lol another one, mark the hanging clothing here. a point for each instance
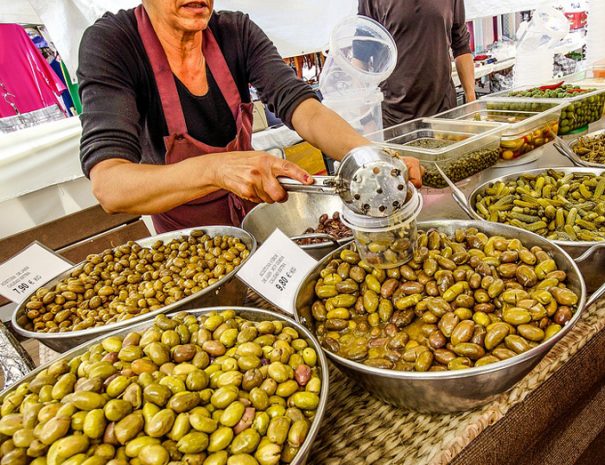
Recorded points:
(55, 64)
(25, 74)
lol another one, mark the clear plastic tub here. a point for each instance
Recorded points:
(386, 242)
(585, 108)
(530, 123)
(460, 148)
(362, 55)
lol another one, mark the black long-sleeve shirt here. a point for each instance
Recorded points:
(424, 31)
(122, 113)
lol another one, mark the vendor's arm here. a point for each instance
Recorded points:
(296, 104)
(324, 129)
(144, 189)
(465, 65)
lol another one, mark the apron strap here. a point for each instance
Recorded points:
(221, 72)
(164, 78)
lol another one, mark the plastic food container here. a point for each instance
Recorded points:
(578, 111)
(386, 242)
(530, 124)
(573, 135)
(363, 111)
(460, 148)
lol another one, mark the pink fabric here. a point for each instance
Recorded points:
(25, 73)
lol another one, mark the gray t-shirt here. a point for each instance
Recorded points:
(424, 31)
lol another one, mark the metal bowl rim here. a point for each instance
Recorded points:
(321, 245)
(587, 164)
(322, 360)
(566, 169)
(469, 372)
(139, 318)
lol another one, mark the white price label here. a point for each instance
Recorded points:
(34, 266)
(276, 270)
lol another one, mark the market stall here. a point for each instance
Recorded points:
(364, 321)
(358, 428)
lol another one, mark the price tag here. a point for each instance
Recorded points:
(28, 270)
(276, 269)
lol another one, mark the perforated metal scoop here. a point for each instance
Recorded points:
(369, 181)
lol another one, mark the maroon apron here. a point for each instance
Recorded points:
(220, 207)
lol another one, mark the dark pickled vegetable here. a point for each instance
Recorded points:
(327, 225)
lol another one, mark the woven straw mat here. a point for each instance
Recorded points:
(358, 429)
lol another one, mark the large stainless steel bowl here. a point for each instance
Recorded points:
(248, 313)
(581, 251)
(227, 291)
(301, 211)
(451, 391)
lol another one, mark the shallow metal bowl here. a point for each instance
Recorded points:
(581, 251)
(575, 158)
(293, 217)
(450, 391)
(245, 312)
(227, 291)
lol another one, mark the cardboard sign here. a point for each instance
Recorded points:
(35, 265)
(276, 270)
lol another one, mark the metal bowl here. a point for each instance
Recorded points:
(301, 211)
(245, 312)
(573, 157)
(451, 391)
(227, 291)
(578, 250)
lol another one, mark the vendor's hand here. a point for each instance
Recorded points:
(415, 170)
(252, 175)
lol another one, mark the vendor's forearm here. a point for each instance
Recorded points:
(324, 129)
(141, 189)
(465, 67)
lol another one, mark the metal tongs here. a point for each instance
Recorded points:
(369, 181)
(457, 194)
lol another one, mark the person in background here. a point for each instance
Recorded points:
(425, 31)
(167, 118)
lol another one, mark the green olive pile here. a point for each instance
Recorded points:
(575, 115)
(130, 280)
(463, 301)
(386, 249)
(214, 390)
(459, 168)
(554, 204)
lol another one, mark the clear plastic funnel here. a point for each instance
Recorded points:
(362, 55)
(547, 28)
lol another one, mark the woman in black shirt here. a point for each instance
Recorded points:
(167, 114)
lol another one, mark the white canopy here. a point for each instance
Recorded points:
(295, 26)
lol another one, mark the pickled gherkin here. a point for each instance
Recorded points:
(180, 407)
(463, 301)
(556, 205)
